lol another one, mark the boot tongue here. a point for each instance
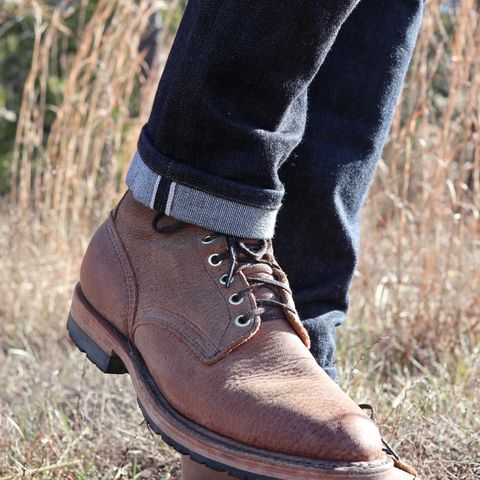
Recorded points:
(264, 251)
(267, 292)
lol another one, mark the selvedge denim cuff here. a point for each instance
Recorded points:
(198, 207)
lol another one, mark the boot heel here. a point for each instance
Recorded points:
(107, 363)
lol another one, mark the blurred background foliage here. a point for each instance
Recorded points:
(17, 38)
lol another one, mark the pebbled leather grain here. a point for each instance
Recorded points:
(256, 384)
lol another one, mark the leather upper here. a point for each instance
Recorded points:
(255, 383)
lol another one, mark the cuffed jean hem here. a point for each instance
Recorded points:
(198, 207)
(199, 179)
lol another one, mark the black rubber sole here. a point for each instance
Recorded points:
(114, 365)
(102, 360)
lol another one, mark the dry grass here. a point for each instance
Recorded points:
(412, 343)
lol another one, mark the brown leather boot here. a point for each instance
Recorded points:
(206, 327)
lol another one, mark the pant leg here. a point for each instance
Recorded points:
(351, 104)
(230, 108)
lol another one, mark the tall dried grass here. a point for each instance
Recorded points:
(80, 162)
(412, 342)
(421, 254)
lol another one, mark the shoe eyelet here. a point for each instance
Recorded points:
(235, 299)
(242, 321)
(208, 239)
(214, 261)
(223, 279)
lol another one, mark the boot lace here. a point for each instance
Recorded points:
(388, 449)
(243, 255)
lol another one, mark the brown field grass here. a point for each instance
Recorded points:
(412, 343)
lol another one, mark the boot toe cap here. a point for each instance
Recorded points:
(357, 439)
(350, 437)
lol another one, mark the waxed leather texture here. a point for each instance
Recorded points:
(256, 384)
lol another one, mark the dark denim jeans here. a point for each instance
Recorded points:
(273, 104)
